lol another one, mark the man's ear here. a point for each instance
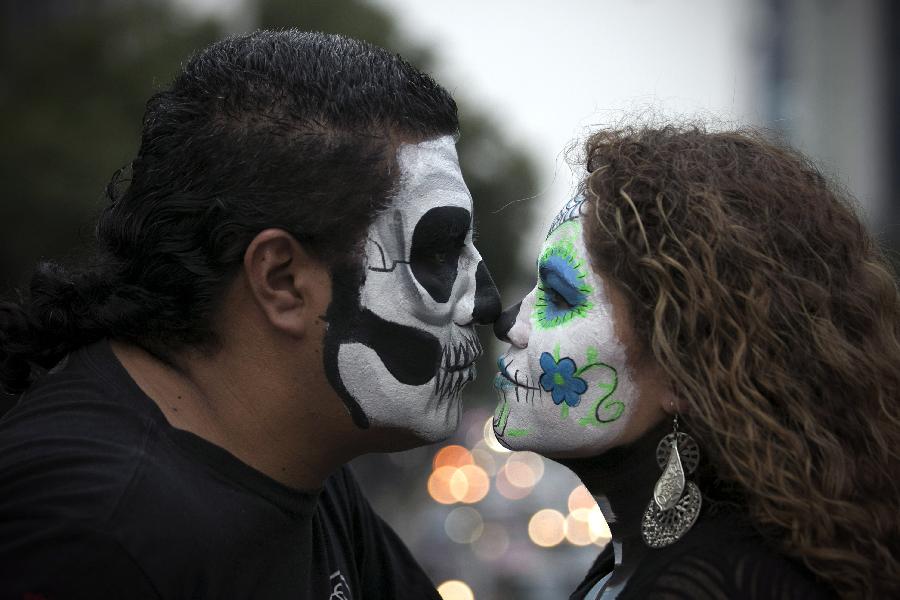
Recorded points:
(291, 287)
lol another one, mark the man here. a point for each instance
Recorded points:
(285, 280)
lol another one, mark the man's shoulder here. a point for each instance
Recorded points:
(69, 451)
(67, 447)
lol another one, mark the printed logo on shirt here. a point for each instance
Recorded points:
(340, 588)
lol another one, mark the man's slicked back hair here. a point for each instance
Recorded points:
(286, 129)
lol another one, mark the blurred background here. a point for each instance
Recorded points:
(531, 78)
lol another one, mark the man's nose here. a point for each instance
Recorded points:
(505, 322)
(487, 298)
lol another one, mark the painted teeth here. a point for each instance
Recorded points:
(457, 362)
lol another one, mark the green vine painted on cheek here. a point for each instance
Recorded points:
(501, 419)
(501, 416)
(605, 409)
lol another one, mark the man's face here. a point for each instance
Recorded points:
(401, 359)
(562, 385)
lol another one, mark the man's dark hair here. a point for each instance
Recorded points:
(285, 129)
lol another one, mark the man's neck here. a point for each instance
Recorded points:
(622, 481)
(257, 419)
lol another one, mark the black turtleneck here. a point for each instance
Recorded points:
(721, 556)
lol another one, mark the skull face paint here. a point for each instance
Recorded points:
(401, 345)
(563, 388)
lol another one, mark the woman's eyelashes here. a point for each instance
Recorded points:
(555, 297)
(562, 290)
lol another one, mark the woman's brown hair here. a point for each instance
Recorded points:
(777, 320)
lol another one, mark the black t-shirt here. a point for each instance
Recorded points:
(720, 558)
(101, 498)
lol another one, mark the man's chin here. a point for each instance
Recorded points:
(388, 438)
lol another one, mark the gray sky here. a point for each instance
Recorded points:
(547, 70)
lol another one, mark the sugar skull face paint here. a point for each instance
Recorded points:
(563, 387)
(401, 346)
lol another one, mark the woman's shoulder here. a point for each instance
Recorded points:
(724, 557)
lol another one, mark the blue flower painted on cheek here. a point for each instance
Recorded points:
(560, 380)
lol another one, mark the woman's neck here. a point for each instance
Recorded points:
(622, 481)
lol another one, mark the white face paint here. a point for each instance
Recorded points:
(563, 386)
(413, 346)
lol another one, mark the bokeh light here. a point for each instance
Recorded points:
(468, 484)
(547, 528)
(484, 458)
(519, 474)
(439, 484)
(507, 489)
(452, 456)
(464, 525)
(581, 498)
(477, 484)
(493, 542)
(524, 469)
(458, 484)
(599, 528)
(490, 439)
(455, 589)
(578, 530)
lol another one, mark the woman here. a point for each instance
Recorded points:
(717, 286)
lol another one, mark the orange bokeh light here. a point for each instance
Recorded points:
(477, 484)
(439, 484)
(452, 456)
(467, 484)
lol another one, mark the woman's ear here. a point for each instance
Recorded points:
(291, 287)
(673, 405)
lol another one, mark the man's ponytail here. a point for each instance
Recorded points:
(57, 315)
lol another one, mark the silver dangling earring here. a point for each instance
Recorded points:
(676, 502)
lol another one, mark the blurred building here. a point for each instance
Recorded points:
(830, 83)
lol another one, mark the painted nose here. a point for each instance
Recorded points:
(505, 322)
(487, 298)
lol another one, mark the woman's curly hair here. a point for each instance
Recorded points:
(777, 320)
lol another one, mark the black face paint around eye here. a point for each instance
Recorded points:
(437, 241)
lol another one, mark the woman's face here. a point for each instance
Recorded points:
(566, 387)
